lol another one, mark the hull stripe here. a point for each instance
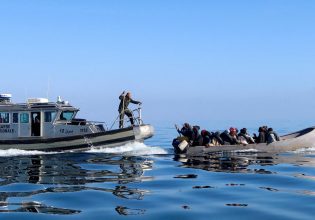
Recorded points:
(114, 142)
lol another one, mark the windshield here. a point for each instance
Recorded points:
(67, 115)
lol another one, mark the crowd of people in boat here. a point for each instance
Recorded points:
(197, 137)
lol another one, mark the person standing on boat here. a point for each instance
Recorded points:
(123, 110)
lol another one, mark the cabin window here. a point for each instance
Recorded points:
(66, 115)
(50, 116)
(15, 118)
(24, 118)
(4, 118)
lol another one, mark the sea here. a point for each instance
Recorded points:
(148, 181)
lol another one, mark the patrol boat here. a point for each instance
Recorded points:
(52, 126)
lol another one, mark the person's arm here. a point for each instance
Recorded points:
(277, 136)
(122, 95)
(251, 140)
(135, 102)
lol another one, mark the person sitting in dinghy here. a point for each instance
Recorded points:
(196, 137)
(206, 138)
(230, 137)
(233, 134)
(261, 138)
(245, 138)
(272, 136)
(216, 139)
(182, 142)
(186, 131)
(211, 138)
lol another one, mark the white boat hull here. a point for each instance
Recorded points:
(81, 142)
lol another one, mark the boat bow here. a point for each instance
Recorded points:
(143, 132)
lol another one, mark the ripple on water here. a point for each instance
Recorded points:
(151, 185)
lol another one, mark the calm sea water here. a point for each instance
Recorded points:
(147, 181)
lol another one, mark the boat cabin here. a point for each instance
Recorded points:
(39, 118)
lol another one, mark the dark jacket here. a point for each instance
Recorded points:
(229, 139)
(261, 137)
(247, 137)
(206, 136)
(272, 137)
(197, 139)
(124, 102)
(217, 137)
(187, 132)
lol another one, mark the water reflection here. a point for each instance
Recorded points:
(35, 207)
(240, 162)
(219, 163)
(127, 211)
(72, 169)
(70, 173)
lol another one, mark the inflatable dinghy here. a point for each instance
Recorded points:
(290, 142)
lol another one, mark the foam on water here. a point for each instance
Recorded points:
(310, 150)
(135, 148)
(17, 152)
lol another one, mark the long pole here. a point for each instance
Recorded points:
(177, 129)
(123, 112)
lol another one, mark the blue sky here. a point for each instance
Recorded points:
(187, 60)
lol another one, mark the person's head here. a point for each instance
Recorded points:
(196, 129)
(203, 133)
(243, 131)
(270, 129)
(186, 125)
(233, 131)
(128, 94)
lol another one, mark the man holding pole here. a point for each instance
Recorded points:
(123, 108)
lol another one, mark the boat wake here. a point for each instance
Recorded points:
(17, 152)
(133, 149)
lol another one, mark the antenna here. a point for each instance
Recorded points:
(26, 93)
(48, 87)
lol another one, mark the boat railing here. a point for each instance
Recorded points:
(84, 122)
(81, 122)
(136, 115)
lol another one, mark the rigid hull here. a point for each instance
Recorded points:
(110, 138)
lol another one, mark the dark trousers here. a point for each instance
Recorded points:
(122, 115)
